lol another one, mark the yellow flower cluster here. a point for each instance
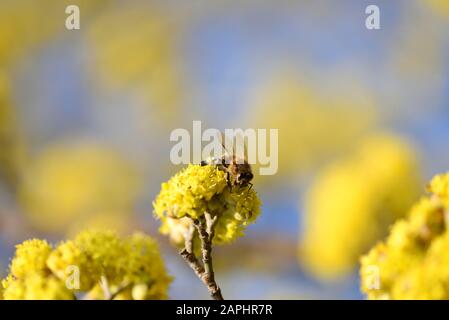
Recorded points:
(353, 201)
(29, 276)
(31, 254)
(131, 268)
(412, 262)
(240, 209)
(190, 192)
(198, 189)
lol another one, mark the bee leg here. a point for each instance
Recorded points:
(228, 180)
(250, 186)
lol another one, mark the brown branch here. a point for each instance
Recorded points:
(205, 271)
(107, 293)
(205, 227)
(189, 238)
(120, 289)
(188, 255)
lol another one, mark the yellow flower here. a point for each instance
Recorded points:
(145, 268)
(189, 192)
(69, 254)
(412, 262)
(131, 268)
(30, 257)
(440, 186)
(353, 201)
(29, 276)
(104, 249)
(199, 189)
(36, 287)
(242, 208)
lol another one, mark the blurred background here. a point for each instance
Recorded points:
(85, 118)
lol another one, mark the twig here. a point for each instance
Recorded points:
(105, 287)
(119, 290)
(205, 227)
(210, 225)
(205, 271)
(190, 238)
(188, 255)
(108, 295)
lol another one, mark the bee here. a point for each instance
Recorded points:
(238, 171)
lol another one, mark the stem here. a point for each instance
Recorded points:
(105, 287)
(205, 271)
(188, 255)
(108, 295)
(119, 290)
(205, 227)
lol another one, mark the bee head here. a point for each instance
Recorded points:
(245, 177)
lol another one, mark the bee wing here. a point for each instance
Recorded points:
(222, 138)
(239, 147)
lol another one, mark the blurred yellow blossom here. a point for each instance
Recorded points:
(360, 196)
(26, 24)
(198, 189)
(129, 267)
(134, 48)
(12, 147)
(118, 220)
(440, 6)
(23, 29)
(68, 182)
(412, 261)
(325, 126)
